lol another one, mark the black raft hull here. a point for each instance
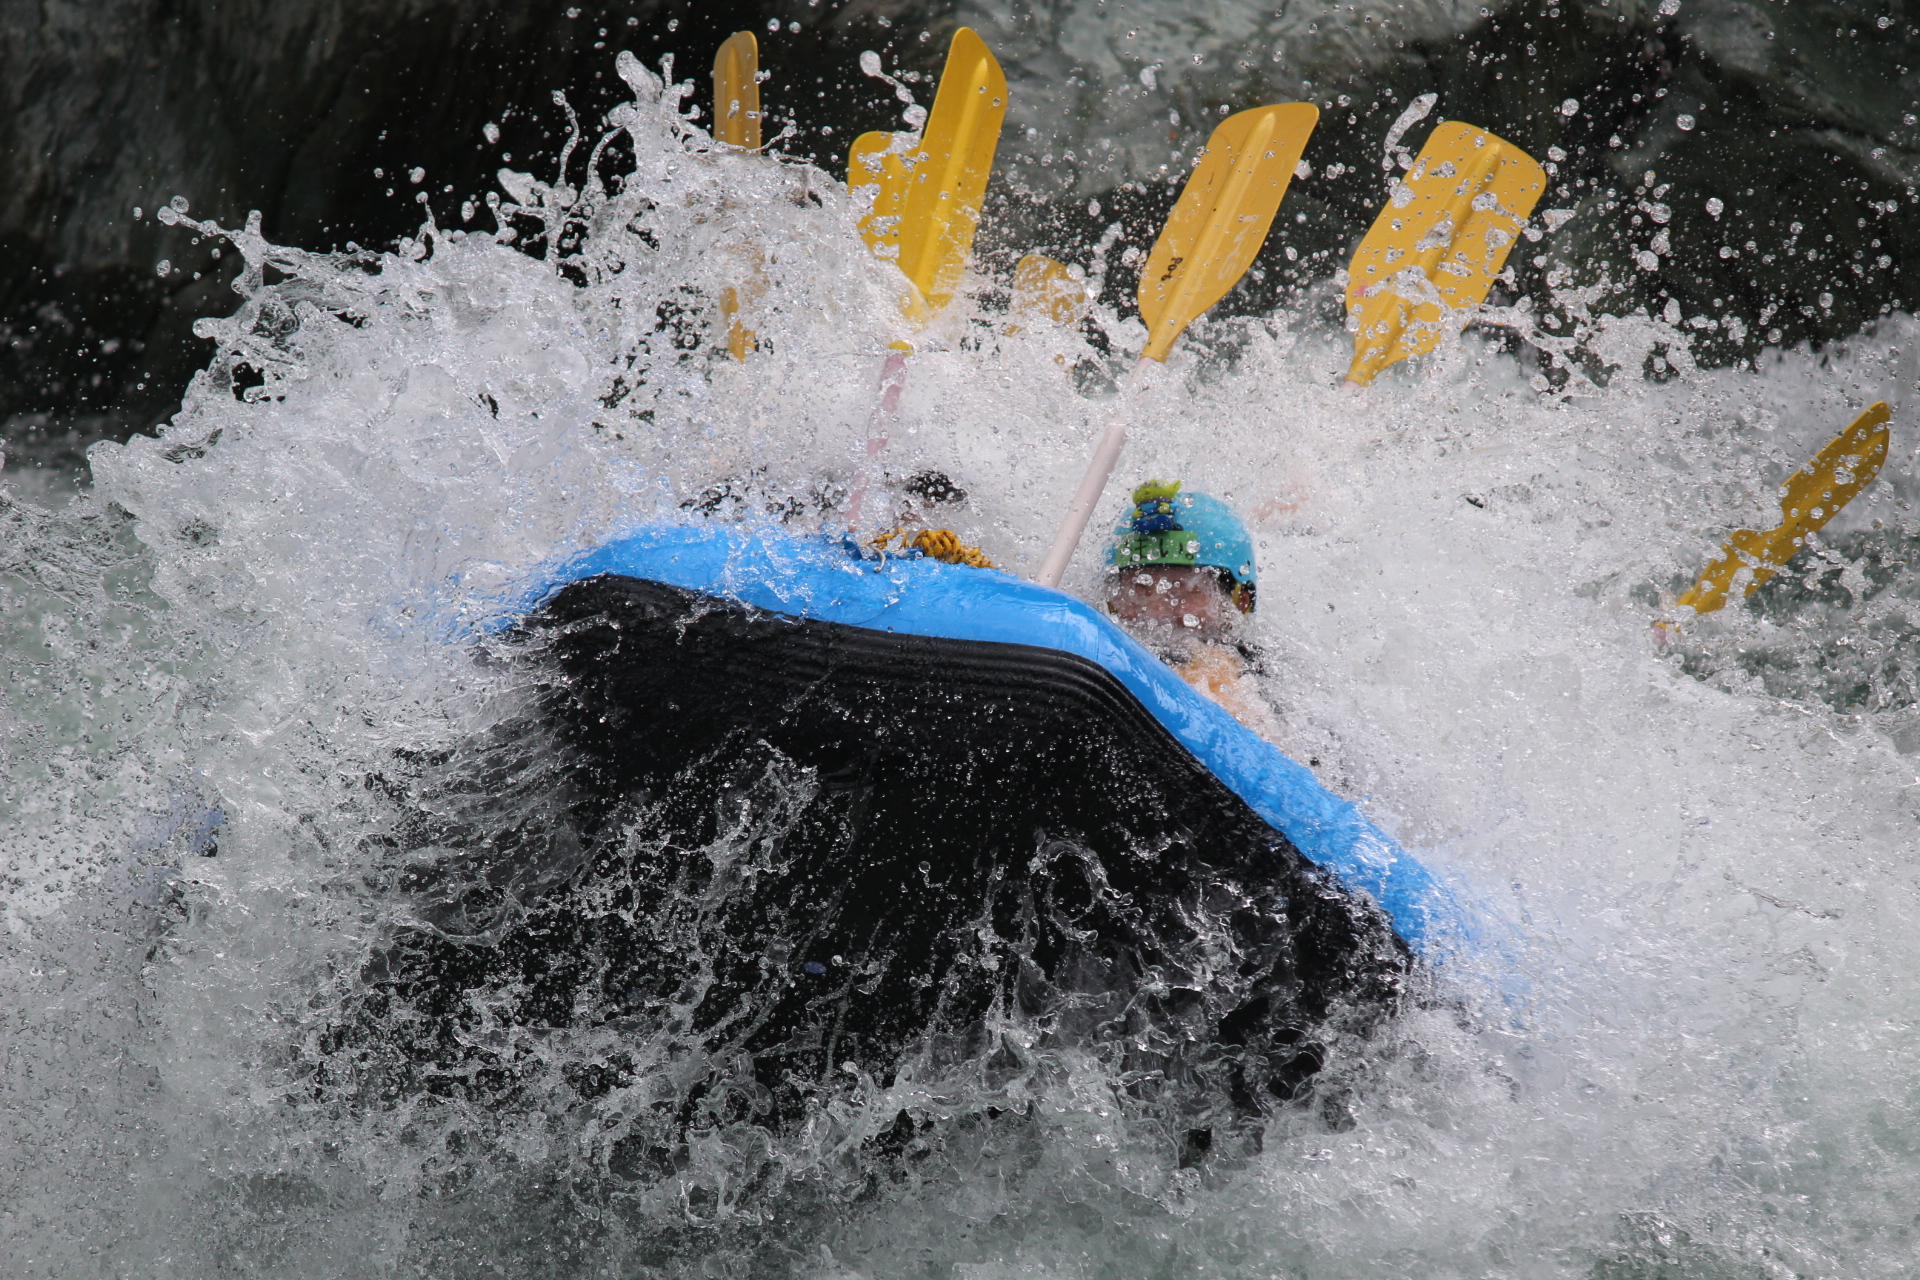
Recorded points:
(803, 852)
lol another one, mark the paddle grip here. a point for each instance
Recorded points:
(1075, 523)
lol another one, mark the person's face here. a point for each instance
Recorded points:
(1175, 600)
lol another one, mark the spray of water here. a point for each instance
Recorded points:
(247, 732)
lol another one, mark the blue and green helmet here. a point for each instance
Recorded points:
(1168, 526)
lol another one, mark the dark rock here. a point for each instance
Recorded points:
(1791, 116)
(1802, 116)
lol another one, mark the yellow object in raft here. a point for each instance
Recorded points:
(1046, 293)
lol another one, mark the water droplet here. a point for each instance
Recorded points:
(162, 267)
(416, 174)
(1571, 107)
(1714, 206)
(1685, 123)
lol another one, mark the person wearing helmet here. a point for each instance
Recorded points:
(1183, 582)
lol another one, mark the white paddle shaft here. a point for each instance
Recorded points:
(1054, 567)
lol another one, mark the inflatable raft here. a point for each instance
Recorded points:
(792, 817)
(979, 626)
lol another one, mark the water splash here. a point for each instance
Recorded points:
(250, 611)
(1392, 154)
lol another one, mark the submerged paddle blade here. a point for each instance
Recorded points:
(736, 92)
(736, 123)
(929, 190)
(1045, 292)
(1436, 247)
(1221, 219)
(736, 299)
(1812, 496)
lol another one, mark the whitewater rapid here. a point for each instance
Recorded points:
(1688, 1043)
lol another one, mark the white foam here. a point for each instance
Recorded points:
(1709, 1040)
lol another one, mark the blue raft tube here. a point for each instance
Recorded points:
(830, 580)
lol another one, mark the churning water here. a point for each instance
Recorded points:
(245, 706)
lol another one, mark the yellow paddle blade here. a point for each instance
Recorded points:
(1222, 216)
(733, 300)
(1437, 245)
(736, 123)
(1045, 292)
(1812, 496)
(740, 339)
(736, 92)
(874, 162)
(949, 184)
(927, 204)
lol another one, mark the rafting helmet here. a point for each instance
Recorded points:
(1169, 525)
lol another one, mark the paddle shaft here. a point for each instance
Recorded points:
(893, 379)
(1080, 510)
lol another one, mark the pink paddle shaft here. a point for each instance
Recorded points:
(893, 380)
